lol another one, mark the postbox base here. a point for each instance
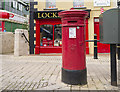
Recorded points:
(74, 77)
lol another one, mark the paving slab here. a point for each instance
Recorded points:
(43, 72)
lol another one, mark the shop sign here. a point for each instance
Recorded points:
(18, 18)
(46, 14)
(101, 2)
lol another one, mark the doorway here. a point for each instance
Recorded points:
(102, 48)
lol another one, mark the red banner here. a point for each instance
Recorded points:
(102, 10)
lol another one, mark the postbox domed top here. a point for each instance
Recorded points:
(73, 13)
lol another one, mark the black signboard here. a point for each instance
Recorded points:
(46, 14)
(50, 14)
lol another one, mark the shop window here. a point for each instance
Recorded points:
(96, 20)
(8, 26)
(46, 35)
(57, 35)
(0, 25)
(50, 4)
(78, 3)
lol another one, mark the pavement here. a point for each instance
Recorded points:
(43, 72)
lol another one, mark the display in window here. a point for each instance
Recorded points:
(58, 35)
(0, 26)
(46, 35)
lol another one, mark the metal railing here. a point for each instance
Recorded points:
(23, 35)
(95, 46)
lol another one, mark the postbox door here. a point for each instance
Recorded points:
(102, 48)
(74, 46)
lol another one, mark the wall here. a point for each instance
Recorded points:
(20, 44)
(95, 12)
(6, 42)
(119, 73)
(89, 4)
(115, 3)
(67, 4)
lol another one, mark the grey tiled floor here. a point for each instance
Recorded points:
(44, 73)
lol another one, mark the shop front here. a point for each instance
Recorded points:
(49, 32)
(3, 15)
(1, 26)
(102, 48)
(10, 21)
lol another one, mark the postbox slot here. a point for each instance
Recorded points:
(72, 21)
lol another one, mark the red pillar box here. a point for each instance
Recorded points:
(73, 47)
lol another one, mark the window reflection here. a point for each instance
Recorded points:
(57, 35)
(0, 25)
(46, 35)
